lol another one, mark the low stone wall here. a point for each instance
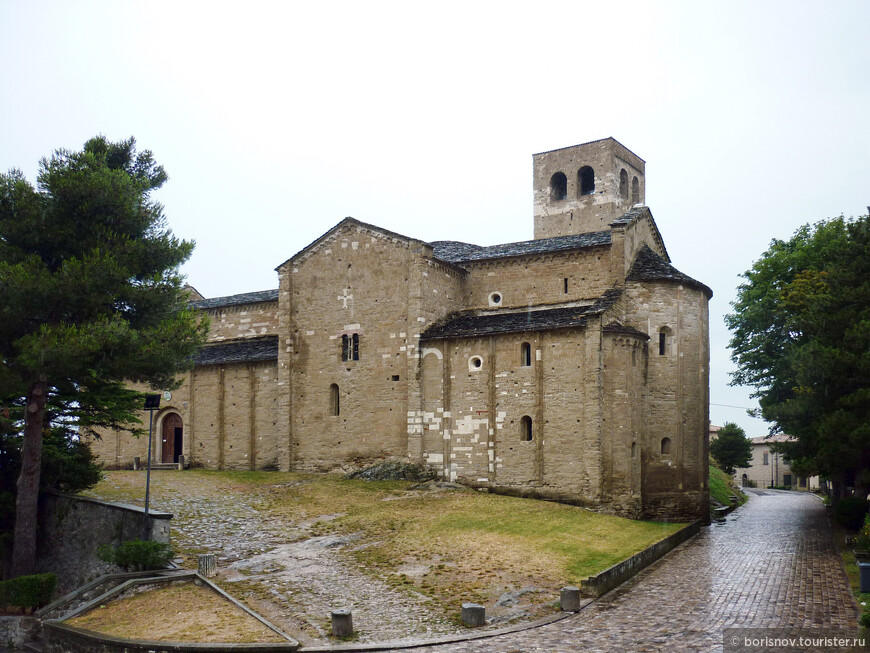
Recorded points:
(71, 530)
(14, 630)
(60, 638)
(617, 574)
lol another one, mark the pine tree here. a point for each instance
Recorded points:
(90, 298)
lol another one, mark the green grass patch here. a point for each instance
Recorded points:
(722, 487)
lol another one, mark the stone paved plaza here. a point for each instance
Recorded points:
(773, 563)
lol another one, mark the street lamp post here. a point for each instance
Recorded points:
(152, 403)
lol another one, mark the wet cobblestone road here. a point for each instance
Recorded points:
(773, 563)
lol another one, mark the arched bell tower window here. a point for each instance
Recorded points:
(623, 183)
(585, 181)
(558, 186)
(635, 191)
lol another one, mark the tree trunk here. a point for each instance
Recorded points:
(24, 542)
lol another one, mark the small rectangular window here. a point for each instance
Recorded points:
(766, 461)
(395, 377)
(566, 285)
(663, 341)
(355, 352)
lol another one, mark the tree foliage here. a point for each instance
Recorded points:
(731, 448)
(90, 298)
(801, 338)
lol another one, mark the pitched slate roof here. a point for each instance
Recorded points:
(470, 324)
(249, 350)
(235, 300)
(454, 251)
(615, 327)
(649, 266)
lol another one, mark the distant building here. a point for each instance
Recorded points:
(769, 469)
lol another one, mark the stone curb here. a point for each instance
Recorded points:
(609, 579)
(447, 639)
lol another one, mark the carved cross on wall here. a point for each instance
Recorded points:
(346, 296)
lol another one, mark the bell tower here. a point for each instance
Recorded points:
(583, 188)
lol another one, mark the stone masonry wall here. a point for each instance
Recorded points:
(368, 282)
(73, 528)
(230, 420)
(521, 282)
(675, 483)
(477, 392)
(242, 321)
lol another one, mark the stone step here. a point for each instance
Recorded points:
(32, 646)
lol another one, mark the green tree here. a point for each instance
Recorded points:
(731, 448)
(90, 297)
(801, 338)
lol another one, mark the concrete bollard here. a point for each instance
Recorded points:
(569, 599)
(207, 564)
(181, 463)
(473, 614)
(342, 623)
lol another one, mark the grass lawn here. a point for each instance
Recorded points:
(451, 546)
(722, 487)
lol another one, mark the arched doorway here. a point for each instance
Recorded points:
(173, 437)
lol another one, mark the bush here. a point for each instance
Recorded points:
(28, 591)
(862, 542)
(849, 512)
(138, 555)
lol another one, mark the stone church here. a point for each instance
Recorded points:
(574, 366)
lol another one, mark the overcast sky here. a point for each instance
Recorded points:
(277, 120)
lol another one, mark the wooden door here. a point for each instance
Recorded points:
(172, 438)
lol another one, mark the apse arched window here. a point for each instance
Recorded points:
(526, 428)
(635, 191)
(558, 186)
(585, 181)
(666, 446)
(526, 355)
(623, 183)
(334, 406)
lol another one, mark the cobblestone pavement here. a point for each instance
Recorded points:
(773, 563)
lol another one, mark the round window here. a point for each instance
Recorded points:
(476, 362)
(495, 299)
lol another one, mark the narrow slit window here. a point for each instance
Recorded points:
(334, 406)
(664, 340)
(565, 285)
(526, 433)
(526, 355)
(345, 348)
(355, 347)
